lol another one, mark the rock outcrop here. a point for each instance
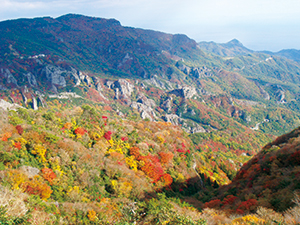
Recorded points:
(65, 95)
(185, 92)
(146, 112)
(29, 171)
(31, 79)
(167, 104)
(280, 96)
(197, 72)
(58, 76)
(122, 88)
(159, 83)
(187, 125)
(201, 72)
(185, 69)
(8, 106)
(141, 98)
(54, 75)
(10, 79)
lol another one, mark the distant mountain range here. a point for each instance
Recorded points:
(235, 48)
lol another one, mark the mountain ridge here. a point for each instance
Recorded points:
(116, 125)
(235, 48)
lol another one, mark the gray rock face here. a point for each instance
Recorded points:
(144, 110)
(185, 69)
(9, 77)
(280, 96)
(8, 106)
(54, 74)
(97, 83)
(65, 95)
(42, 101)
(176, 120)
(31, 79)
(30, 171)
(77, 77)
(146, 101)
(34, 103)
(197, 72)
(122, 87)
(57, 76)
(173, 119)
(279, 93)
(185, 92)
(167, 104)
(197, 129)
(158, 83)
(117, 93)
(201, 72)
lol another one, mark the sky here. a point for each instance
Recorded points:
(259, 24)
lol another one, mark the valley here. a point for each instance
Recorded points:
(106, 124)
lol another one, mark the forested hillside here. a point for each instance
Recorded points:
(108, 124)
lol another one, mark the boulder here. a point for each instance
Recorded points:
(176, 120)
(29, 171)
(8, 106)
(141, 98)
(184, 92)
(167, 104)
(144, 110)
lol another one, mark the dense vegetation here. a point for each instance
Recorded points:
(170, 143)
(87, 165)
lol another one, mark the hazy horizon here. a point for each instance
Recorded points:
(258, 25)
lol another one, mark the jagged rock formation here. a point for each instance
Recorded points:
(54, 75)
(185, 92)
(123, 89)
(197, 72)
(31, 79)
(159, 83)
(176, 120)
(185, 69)
(144, 110)
(34, 103)
(7, 75)
(201, 72)
(57, 76)
(167, 104)
(141, 98)
(8, 106)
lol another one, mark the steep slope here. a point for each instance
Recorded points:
(270, 179)
(93, 44)
(222, 103)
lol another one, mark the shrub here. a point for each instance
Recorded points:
(107, 135)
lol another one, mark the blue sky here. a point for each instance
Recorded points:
(258, 24)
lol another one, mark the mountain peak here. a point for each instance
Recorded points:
(231, 48)
(235, 42)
